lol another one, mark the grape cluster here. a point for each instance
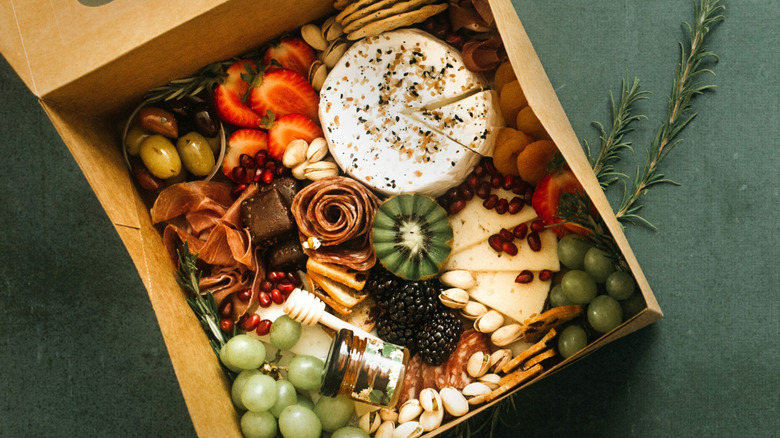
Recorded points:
(593, 280)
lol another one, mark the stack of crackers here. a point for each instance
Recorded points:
(341, 288)
(367, 18)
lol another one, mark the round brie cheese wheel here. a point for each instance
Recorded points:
(402, 114)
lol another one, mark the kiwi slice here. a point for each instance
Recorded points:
(412, 235)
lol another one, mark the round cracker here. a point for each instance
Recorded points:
(341, 4)
(354, 7)
(401, 20)
(363, 12)
(396, 9)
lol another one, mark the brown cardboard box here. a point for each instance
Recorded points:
(90, 65)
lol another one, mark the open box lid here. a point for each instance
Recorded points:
(69, 51)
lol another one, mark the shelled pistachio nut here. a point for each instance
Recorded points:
(506, 335)
(489, 321)
(499, 358)
(473, 310)
(410, 410)
(295, 153)
(454, 401)
(411, 429)
(370, 422)
(459, 278)
(385, 429)
(317, 150)
(454, 298)
(478, 364)
(312, 34)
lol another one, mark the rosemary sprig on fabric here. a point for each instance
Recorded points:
(204, 304)
(612, 144)
(686, 86)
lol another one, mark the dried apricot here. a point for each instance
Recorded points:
(532, 162)
(530, 124)
(504, 75)
(509, 143)
(511, 100)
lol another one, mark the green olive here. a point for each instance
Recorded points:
(160, 157)
(195, 153)
(215, 143)
(135, 136)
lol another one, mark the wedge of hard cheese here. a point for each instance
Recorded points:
(481, 257)
(499, 291)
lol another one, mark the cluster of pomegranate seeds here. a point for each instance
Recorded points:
(527, 276)
(261, 169)
(274, 289)
(481, 182)
(503, 241)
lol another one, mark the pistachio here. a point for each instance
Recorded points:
(370, 422)
(478, 364)
(454, 298)
(475, 391)
(318, 71)
(299, 171)
(499, 358)
(334, 52)
(430, 400)
(506, 335)
(411, 429)
(460, 278)
(473, 310)
(388, 414)
(317, 150)
(490, 380)
(312, 34)
(430, 420)
(331, 29)
(295, 153)
(410, 410)
(454, 401)
(385, 430)
(320, 170)
(489, 321)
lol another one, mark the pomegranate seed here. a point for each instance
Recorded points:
(280, 171)
(509, 248)
(515, 205)
(245, 160)
(524, 277)
(491, 202)
(226, 309)
(226, 324)
(534, 242)
(495, 242)
(258, 174)
(483, 190)
(293, 278)
(277, 296)
(529, 195)
(465, 192)
(509, 182)
(472, 180)
(264, 299)
(537, 226)
(506, 235)
(270, 165)
(266, 286)
(502, 206)
(264, 327)
(545, 274)
(456, 206)
(249, 323)
(240, 175)
(453, 194)
(245, 295)
(520, 231)
(444, 201)
(276, 276)
(491, 168)
(260, 158)
(285, 287)
(496, 181)
(479, 171)
(520, 187)
(268, 176)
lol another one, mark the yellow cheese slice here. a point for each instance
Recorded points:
(481, 257)
(499, 291)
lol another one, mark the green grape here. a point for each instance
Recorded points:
(259, 393)
(305, 403)
(223, 359)
(620, 285)
(285, 396)
(598, 264)
(238, 387)
(578, 287)
(305, 372)
(633, 305)
(258, 425)
(350, 432)
(298, 422)
(557, 298)
(571, 250)
(245, 352)
(604, 313)
(571, 340)
(334, 412)
(285, 332)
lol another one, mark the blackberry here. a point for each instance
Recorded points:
(414, 301)
(396, 332)
(438, 337)
(381, 283)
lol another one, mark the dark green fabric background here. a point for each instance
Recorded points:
(80, 349)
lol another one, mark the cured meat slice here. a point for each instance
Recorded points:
(471, 341)
(413, 380)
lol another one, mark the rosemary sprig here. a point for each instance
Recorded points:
(203, 303)
(612, 144)
(686, 86)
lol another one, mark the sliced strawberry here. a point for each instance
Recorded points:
(286, 129)
(229, 94)
(547, 197)
(292, 53)
(243, 141)
(283, 92)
